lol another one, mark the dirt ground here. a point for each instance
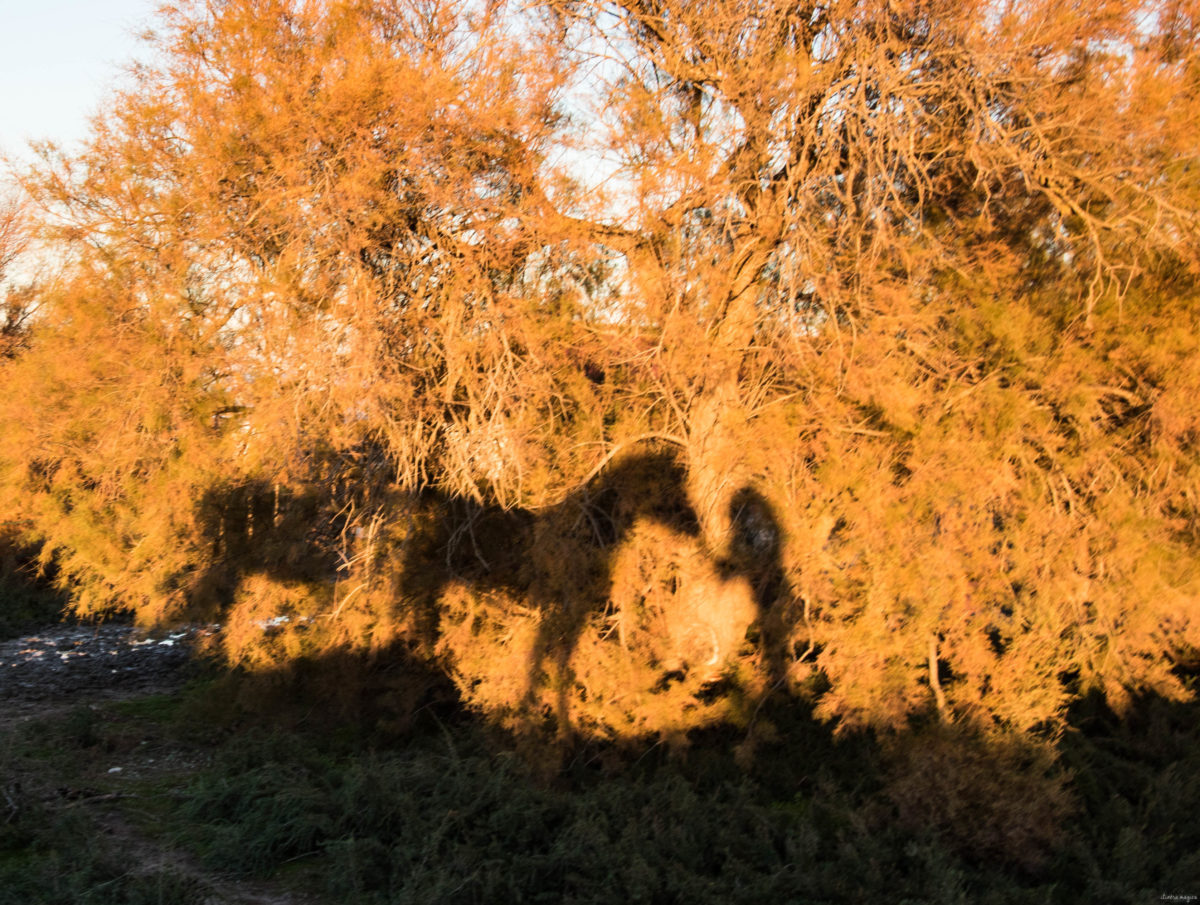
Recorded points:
(92, 678)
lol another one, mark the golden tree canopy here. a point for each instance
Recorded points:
(905, 291)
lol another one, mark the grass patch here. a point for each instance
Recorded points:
(60, 859)
(53, 848)
(155, 708)
(450, 818)
(456, 813)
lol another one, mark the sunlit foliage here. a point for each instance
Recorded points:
(891, 306)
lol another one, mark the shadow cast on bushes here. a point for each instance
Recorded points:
(29, 597)
(574, 620)
(258, 528)
(924, 811)
(604, 615)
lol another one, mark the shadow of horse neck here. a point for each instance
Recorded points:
(512, 547)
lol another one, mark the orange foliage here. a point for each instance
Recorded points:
(850, 340)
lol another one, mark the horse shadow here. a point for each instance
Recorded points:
(256, 528)
(559, 562)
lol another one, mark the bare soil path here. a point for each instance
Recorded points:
(84, 675)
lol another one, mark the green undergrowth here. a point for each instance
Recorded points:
(61, 861)
(56, 841)
(455, 812)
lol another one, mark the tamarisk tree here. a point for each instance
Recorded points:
(908, 289)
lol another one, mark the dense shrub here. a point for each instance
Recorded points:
(895, 304)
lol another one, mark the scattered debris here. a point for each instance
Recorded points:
(66, 659)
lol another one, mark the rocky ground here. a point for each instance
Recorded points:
(111, 659)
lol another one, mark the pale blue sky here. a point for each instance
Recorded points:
(56, 59)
